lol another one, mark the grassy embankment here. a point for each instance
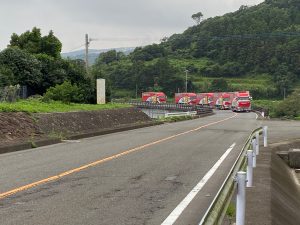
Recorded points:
(258, 85)
(37, 106)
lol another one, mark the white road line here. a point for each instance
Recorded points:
(171, 219)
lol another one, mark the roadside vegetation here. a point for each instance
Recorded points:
(172, 119)
(38, 106)
(268, 105)
(288, 108)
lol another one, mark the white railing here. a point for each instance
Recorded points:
(236, 179)
(192, 113)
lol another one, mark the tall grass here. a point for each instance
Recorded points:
(37, 106)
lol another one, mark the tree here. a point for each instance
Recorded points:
(26, 68)
(52, 70)
(148, 53)
(65, 92)
(34, 43)
(108, 57)
(29, 41)
(197, 17)
(50, 45)
(290, 107)
(219, 85)
(6, 76)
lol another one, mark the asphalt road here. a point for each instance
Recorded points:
(158, 166)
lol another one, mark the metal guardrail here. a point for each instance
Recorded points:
(218, 207)
(192, 113)
(263, 111)
(173, 107)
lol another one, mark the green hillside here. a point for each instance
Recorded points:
(255, 48)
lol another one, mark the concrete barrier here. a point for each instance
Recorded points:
(294, 158)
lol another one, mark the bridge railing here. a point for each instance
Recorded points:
(236, 179)
(173, 107)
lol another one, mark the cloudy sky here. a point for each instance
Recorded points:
(115, 23)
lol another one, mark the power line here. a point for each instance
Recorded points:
(240, 36)
(75, 48)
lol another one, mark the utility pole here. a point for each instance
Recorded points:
(87, 43)
(136, 90)
(186, 73)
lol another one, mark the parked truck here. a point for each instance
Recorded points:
(224, 100)
(241, 102)
(186, 98)
(205, 99)
(154, 97)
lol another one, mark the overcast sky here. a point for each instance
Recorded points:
(115, 23)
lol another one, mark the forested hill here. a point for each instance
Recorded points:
(262, 40)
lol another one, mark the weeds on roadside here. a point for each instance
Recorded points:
(175, 118)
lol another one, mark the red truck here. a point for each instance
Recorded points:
(224, 100)
(186, 98)
(205, 99)
(241, 102)
(154, 97)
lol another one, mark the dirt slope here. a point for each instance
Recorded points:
(17, 127)
(21, 127)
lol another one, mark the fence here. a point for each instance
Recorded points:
(236, 179)
(12, 93)
(173, 107)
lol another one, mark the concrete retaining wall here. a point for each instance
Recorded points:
(285, 190)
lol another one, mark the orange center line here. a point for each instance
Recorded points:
(78, 169)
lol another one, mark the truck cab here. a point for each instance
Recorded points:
(241, 102)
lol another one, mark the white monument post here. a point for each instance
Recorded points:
(100, 91)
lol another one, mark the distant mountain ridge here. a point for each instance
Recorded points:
(94, 53)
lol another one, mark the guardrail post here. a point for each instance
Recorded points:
(265, 134)
(250, 168)
(241, 198)
(257, 142)
(254, 152)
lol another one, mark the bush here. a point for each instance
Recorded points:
(289, 108)
(266, 105)
(66, 92)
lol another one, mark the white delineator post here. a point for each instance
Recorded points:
(250, 168)
(265, 134)
(257, 142)
(101, 91)
(254, 152)
(241, 198)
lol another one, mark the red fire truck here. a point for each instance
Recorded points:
(186, 98)
(154, 97)
(241, 102)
